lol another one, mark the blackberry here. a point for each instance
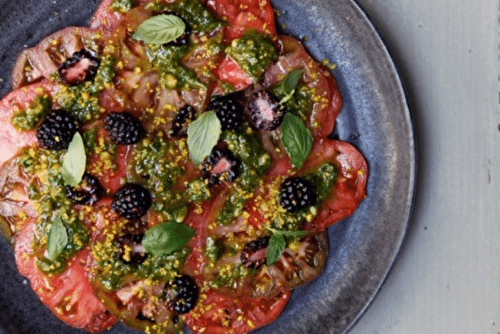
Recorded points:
(181, 294)
(228, 110)
(297, 194)
(123, 128)
(89, 192)
(180, 124)
(263, 111)
(221, 165)
(81, 66)
(130, 249)
(57, 130)
(253, 255)
(131, 201)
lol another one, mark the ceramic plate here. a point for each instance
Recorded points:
(375, 118)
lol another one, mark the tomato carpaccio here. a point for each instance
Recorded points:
(171, 165)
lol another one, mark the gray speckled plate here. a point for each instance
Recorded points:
(375, 118)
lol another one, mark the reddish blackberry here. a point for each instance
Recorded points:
(297, 194)
(131, 201)
(80, 67)
(221, 165)
(123, 128)
(228, 110)
(57, 130)
(130, 249)
(88, 192)
(181, 294)
(263, 111)
(180, 122)
(253, 255)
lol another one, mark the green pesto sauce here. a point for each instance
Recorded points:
(253, 52)
(122, 6)
(83, 100)
(114, 274)
(299, 103)
(153, 164)
(192, 11)
(52, 202)
(214, 249)
(254, 161)
(28, 118)
(237, 272)
(323, 178)
(166, 61)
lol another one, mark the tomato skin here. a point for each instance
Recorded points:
(218, 313)
(243, 15)
(69, 294)
(350, 186)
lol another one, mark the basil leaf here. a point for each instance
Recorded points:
(297, 139)
(166, 238)
(74, 162)
(276, 247)
(288, 233)
(203, 135)
(160, 29)
(58, 239)
(290, 83)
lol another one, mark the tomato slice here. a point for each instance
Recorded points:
(327, 102)
(243, 15)
(68, 294)
(230, 72)
(217, 313)
(350, 186)
(43, 60)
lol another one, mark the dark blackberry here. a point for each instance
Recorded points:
(180, 122)
(228, 110)
(123, 128)
(221, 165)
(88, 192)
(131, 201)
(181, 294)
(253, 255)
(57, 130)
(297, 194)
(130, 249)
(263, 111)
(81, 66)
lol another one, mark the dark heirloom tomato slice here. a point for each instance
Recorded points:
(217, 313)
(350, 186)
(243, 15)
(320, 83)
(43, 60)
(68, 294)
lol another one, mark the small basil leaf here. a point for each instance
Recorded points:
(166, 238)
(203, 135)
(160, 29)
(58, 239)
(74, 162)
(288, 233)
(290, 83)
(276, 247)
(297, 139)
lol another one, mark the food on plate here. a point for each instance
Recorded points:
(171, 165)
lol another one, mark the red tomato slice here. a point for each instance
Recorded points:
(217, 313)
(11, 140)
(243, 15)
(69, 294)
(326, 96)
(350, 187)
(230, 72)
